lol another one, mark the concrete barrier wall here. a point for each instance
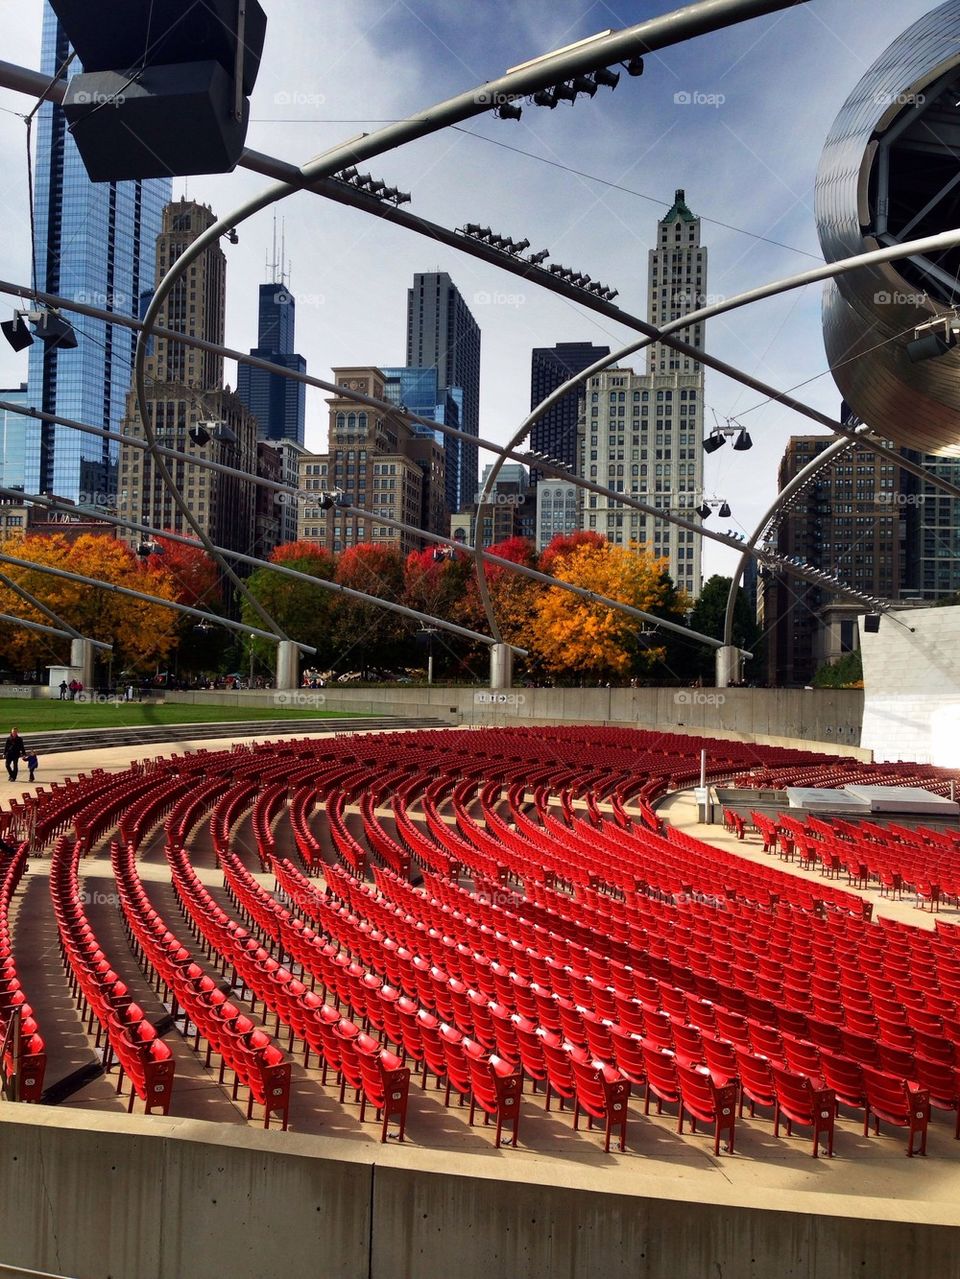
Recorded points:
(804, 717)
(99, 1196)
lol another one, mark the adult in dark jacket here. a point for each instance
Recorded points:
(14, 749)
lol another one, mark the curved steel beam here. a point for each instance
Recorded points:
(113, 589)
(282, 569)
(816, 274)
(540, 73)
(802, 478)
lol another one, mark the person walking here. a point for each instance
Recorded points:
(32, 763)
(14, 750)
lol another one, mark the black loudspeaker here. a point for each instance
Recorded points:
(123, 35)
(17, 333)
(53, 330)
(871, 623)
(172, 120)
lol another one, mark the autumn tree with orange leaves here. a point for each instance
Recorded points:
(513, 595)
(142, 634)
(572, 635)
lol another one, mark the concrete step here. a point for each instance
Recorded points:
(155, 735)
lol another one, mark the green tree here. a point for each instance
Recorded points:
(845, 673)
(708, 616)
(306, 613)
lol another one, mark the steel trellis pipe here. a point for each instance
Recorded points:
(282, 569)
(829, 270)
(672, 28)
(51, 630)
(544, 578)
(48, 613)
(113, 589)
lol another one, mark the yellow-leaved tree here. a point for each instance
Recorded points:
(572, 635)
(141, 633)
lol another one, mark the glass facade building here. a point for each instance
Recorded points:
(932, 536)
(278, 403)
(556, 432)
(443, 335)
(12, 438)
(95, 243)
(419, 390)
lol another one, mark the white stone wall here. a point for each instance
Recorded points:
(911, 670)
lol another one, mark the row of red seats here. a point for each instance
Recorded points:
(25, 1059)
(645, 1039)
(143, 1057)
(242, 1046)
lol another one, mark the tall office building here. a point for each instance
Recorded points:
(443, 335)
(290, 454)
(932, 536)
(556, 432)
(419, 390)
(642, 433)
(95, 244)
(557, 511)
(676, 285)
(185, 393)
(849, 521)
(278, 403)
(380, 464)
(12, 438)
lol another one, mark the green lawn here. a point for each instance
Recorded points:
(49, 716)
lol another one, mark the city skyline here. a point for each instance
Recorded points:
(95, 243)
(735, 170)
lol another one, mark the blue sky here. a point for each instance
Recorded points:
(749, 160)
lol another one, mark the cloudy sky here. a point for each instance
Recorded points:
(588, 182)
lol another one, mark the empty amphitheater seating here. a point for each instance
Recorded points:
(561, 948)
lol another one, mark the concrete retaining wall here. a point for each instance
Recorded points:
(776, 717)
(100, 1196)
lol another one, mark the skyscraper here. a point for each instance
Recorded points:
(932, 520)
(642, 433)
(676, 285)
(12, 437)
(380, 464)
(847, 521)
(556, 432)
(278, 403)
(186, 400)
(443, 335)
(419, 390)
(94, 244)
